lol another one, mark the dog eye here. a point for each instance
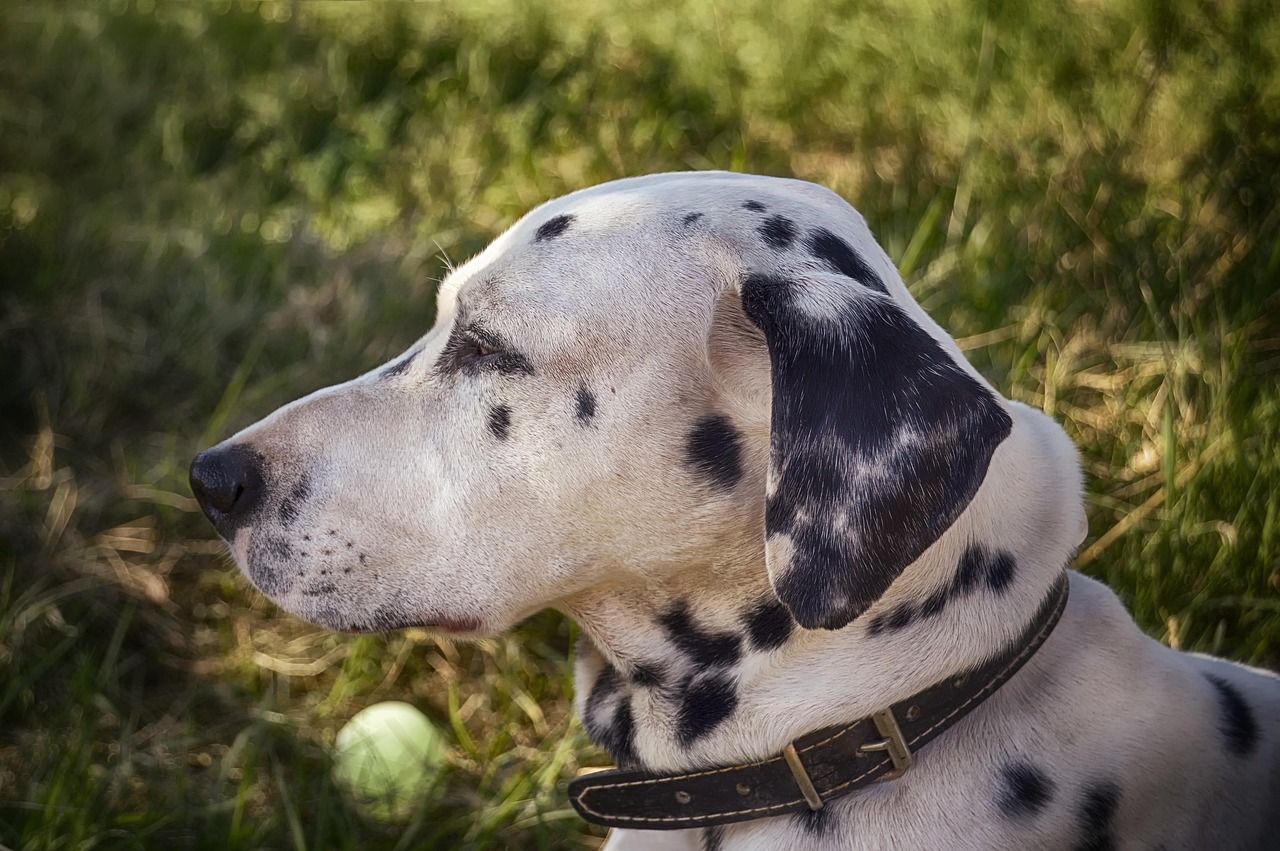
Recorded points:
(476, 351)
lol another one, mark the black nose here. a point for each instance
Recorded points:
(227, 482)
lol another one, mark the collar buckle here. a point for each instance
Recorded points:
(893, 742)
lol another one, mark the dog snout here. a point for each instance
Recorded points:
(228, 483)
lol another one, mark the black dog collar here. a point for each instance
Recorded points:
(815, 769)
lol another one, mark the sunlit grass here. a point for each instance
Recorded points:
(207, 210)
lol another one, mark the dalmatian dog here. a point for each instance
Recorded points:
(701, 415)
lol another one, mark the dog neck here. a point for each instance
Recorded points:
(706, 667)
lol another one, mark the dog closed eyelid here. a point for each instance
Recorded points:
(473, 350)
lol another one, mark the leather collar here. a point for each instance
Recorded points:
(815, 769)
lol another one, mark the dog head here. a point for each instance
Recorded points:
(631, 379)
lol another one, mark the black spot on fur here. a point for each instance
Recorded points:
(500, 422)
(769, 624)
(817, 822)
(649, 675)
(1097, 814)
(713, 838)
(977, 566)
(754, 206)
(620, 739)
(850, 491)
(1024, 790)
(934, 604)
(1000, 571)
(901, 617)
(714, 449)
(552, 228)
(778, 231)
(704, 649)
(292, 504)
(704, 705)
(399, 366)
(690, 219)
(840, 257)
(586, 405)
(615, 732)
(970, 570)
(1235, 719)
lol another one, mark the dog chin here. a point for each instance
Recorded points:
(379, 619)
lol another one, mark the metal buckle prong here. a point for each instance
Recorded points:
(893, 742)
(802, 778)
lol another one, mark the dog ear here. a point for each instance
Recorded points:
(879, 440)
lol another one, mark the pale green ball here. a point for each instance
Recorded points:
(387, 758)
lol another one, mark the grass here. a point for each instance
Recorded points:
(209, 209)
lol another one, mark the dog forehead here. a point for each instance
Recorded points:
(638, 242)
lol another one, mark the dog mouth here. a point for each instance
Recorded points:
(382, 619)
(445, 626)
(449, 626)
(323, 596)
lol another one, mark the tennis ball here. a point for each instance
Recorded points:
(386, 759)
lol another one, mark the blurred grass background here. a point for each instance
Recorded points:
(207, 209)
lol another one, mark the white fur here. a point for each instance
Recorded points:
(604, 521)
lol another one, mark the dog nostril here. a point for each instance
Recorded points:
(227, 482)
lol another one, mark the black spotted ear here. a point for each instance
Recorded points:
(879, 441)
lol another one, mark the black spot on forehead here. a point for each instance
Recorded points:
(1097, 815)
(703, 647)
(754, 206)
(778, 231)
(704, 705)
(1235, 718)
(714, 450)
(585, 404)
(399, 366)
(689, 219)
(500, 421)
(1024, 789)
(769, 624)
(553, 227)
(840, 257)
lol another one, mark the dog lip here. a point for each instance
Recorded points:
(445, 625)
(456, 626)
